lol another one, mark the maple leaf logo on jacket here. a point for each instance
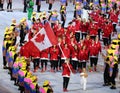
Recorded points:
(40, 38)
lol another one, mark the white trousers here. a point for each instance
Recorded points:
(83, 83)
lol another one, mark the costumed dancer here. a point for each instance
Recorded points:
(33, 18)
(47, 87)
(4, 50)
(53, 17)
(63, 15)
(30, 9)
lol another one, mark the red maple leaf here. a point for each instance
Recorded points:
(40, 38)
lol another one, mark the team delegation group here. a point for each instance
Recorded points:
(79, 44)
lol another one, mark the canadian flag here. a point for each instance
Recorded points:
(45, 38)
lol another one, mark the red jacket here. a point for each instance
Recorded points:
(93, 50)
(87, 42)
(83, 55)
(77, 25)
(80, 45)
(66, 71)
(44, 53)
(74, 53)
(54, 52)
(59, 32)
(55, 27)
(93, 29)
(70, 29)
(98, 45)
(66, 52)
(34, 51)
(106, 31)
(25, 50)
(30, 35)
(84, 27)
(110, 26)
(114, 17)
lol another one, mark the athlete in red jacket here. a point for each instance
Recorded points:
(83, 58)
(67, 69)
(54, 52)
(74, 57)
(44, 59)
(35, 54)
(65, 53)
(94, 52)
(93, 30)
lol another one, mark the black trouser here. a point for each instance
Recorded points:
(36, 62)
(1, 5)
(109, 41)
(63, 23)
(74, 64)
(82, 65)
(9, 4)
(65, 82)
(25, 8)
(114, 28)
(112, 80)
(84, 35)
(106, 74)
(4, 61)
(74, 14)
(44, 62)
(54, 64)
(59, 61)
(105, 41)
(52, 25)
(38, 8)
(93, 61)
(22, 37)
(99, 31)
(77, 36)
(50, 6)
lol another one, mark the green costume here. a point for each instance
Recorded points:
(30, 9)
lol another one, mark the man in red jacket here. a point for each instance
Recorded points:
(24, 50)
(84, 28)
(87, 41)
(93, 50)
(93, 30)
(106, 34)
(83, 58)
(114, 18)
(35, 54)
(74, 57)
(44, 59)
(54, 51)
(65, 53)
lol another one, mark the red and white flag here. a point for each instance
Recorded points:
(45, 38)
